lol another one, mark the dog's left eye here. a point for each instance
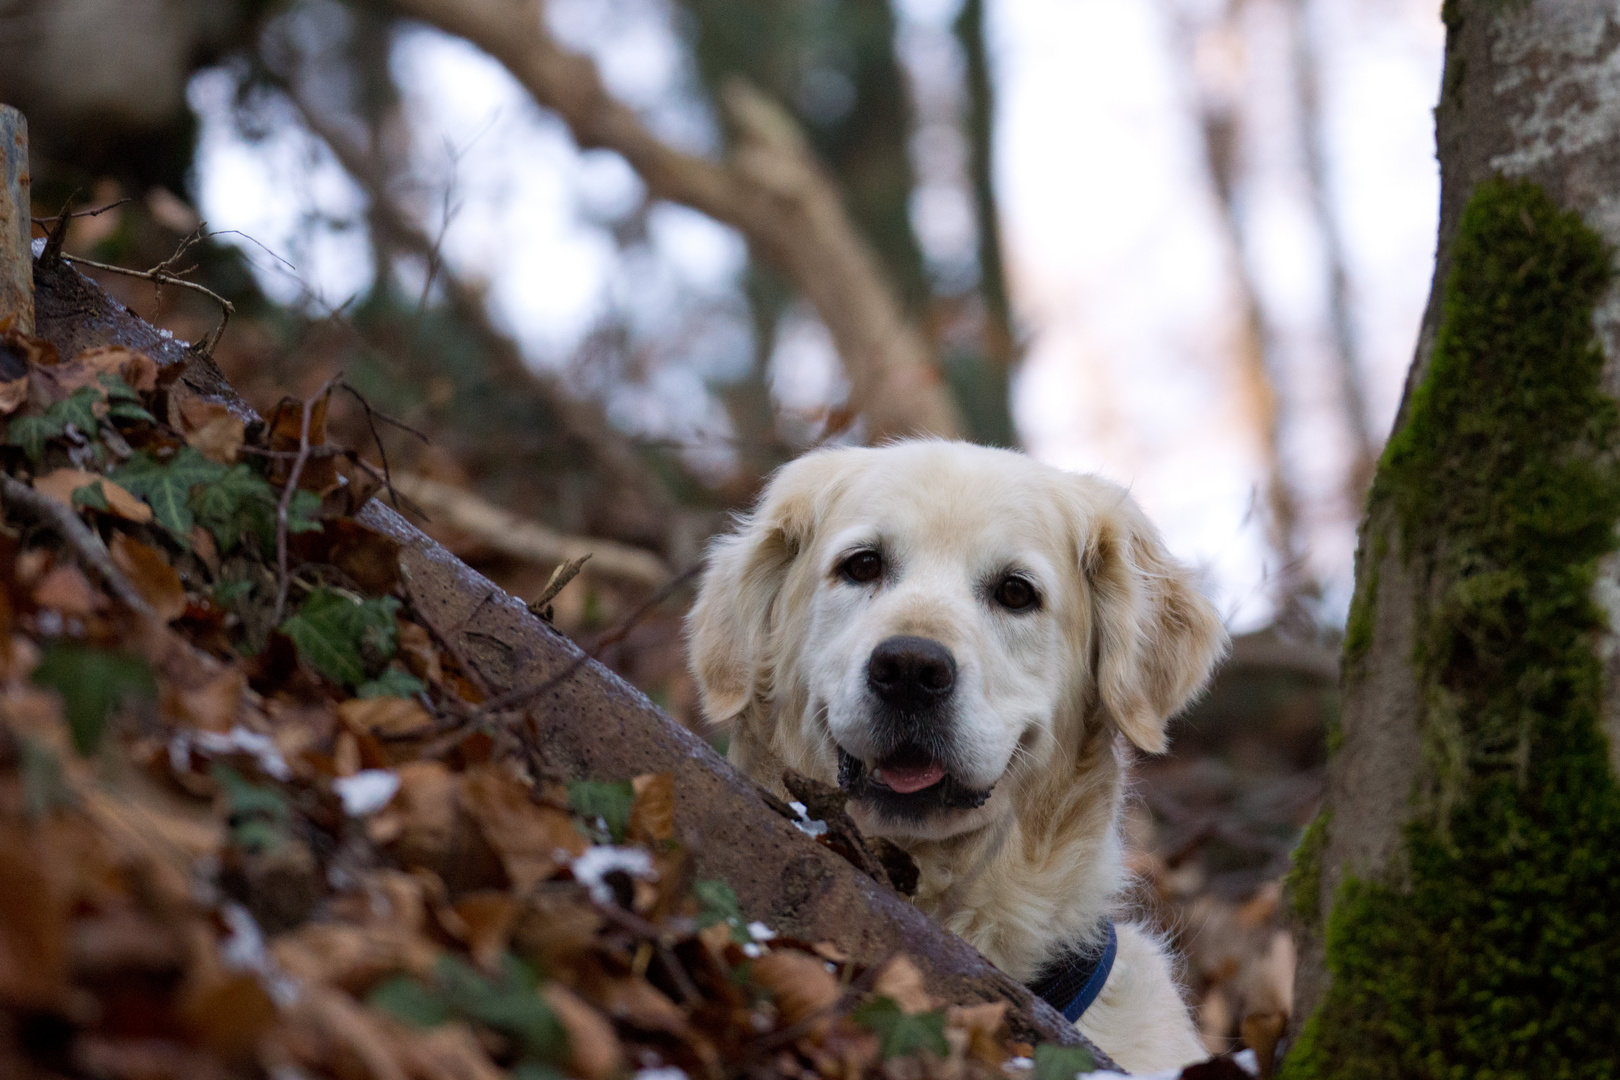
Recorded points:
(863, 567)
(1016, 594)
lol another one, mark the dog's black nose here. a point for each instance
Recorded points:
(911, 672)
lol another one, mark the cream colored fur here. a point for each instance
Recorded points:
(1046, 699)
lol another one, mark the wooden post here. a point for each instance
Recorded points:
(16, 255)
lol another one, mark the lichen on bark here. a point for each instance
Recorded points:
(1490, 946)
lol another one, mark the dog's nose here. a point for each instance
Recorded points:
(911, 672)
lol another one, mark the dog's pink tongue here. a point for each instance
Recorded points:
(908, 778)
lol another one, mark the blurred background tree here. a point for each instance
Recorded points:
(617, 259)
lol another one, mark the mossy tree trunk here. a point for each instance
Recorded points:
(1456, 897)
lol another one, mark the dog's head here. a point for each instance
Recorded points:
(932, 623)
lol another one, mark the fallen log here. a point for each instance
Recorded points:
(592, 724)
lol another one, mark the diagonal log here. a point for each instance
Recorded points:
(592, 724)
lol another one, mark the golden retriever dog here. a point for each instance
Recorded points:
(966, 640)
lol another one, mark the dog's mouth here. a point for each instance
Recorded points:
(908, 784)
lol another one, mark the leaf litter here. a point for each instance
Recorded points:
(233, 845)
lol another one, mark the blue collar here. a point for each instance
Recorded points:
(1073, 982)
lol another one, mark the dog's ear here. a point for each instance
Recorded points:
(728, 631)
(1157, 638)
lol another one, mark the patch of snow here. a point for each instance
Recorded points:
(367, 791)
(592, 867)
(760, 932)
(805, 823)
(666, 1072)
(239, 740)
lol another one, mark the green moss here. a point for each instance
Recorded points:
(1492, 948)
(1302, 887)
(1358, 628)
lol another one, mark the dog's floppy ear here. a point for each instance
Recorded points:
(728, 630)
(1157, 638)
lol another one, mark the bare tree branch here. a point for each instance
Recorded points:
(770, 188)
(521, 538)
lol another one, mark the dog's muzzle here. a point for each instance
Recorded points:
(910, 680)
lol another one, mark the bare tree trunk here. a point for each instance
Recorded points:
(1343, 341)
(16, 259)
(1220, 125)
(1455, 898)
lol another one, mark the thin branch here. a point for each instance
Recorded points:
(287, 494)
(97, 212)
(521, 538)
(159, 276)
(770, 188)
(78, 536)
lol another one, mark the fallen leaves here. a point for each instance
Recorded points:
(235, 844)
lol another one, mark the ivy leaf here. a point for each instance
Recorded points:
(717, 903)
(239, 501)
(90, 495)
(117, 389)
(409, 1002)
(609, 802)
(78, 409)
(92, 682)
(903, 1034)
(510, 1005)
(129, 410)
(167, 488)
(393, 682)
(301, 512)
(31, 433)
(331, 629)
(1054, 1062)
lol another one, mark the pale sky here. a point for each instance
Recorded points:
(1118, 265)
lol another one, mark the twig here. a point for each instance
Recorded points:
(566, 571)
(372, 416)
(40, 221)
(287, 497)
(159, 276)
(503, 702)
(78, 536)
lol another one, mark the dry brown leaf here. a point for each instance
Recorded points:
(211, 705)
(150, 573)
(212, 428)
(353, 957)
(640, 1004)
(135, 368)
(385, 717)
(371, 1042)
(60, 484)
(67, 590)
(286, 429)
(802, 984)
(13, 392)
(416, 648)
(556, 930)
(229, 1016)
(531, 840)
(487, 918)
(421, 820)
(593, 1048)
(33, 928)
(652, 815)
(448, 1052)
(986, 1028)
(346, 754)
(902, 981)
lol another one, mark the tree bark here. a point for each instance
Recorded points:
(591, 724)
(1455, 896)
(16, 262)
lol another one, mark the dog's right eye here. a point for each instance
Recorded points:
(863, 567)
